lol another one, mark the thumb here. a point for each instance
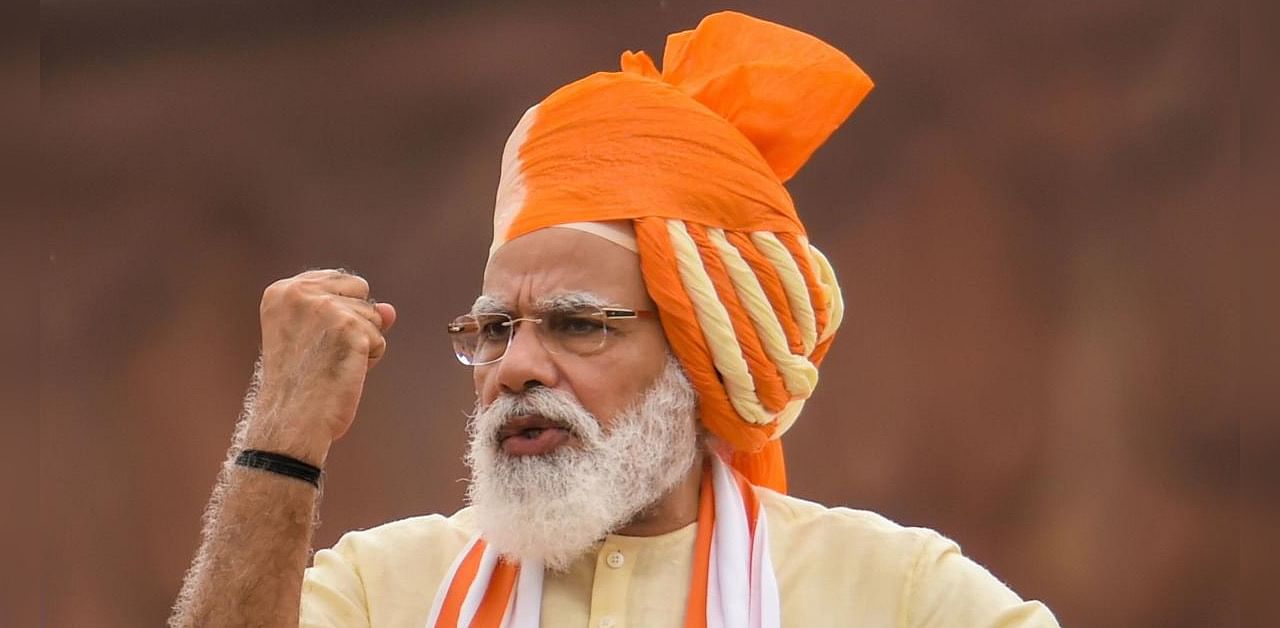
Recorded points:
(388, 314)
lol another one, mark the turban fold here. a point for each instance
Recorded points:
(695, 156)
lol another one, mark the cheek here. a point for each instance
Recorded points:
(603, 393)
(485, 393)
(607, 388)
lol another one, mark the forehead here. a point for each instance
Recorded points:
(550, 263)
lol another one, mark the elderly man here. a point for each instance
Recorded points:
(651, 322)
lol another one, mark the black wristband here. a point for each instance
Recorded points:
(281, 464)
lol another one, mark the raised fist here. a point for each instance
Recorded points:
(320, 336)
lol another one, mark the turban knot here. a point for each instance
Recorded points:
(695, 157)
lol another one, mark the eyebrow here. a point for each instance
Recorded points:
(486, 303)
(570, 301)
(561, 302)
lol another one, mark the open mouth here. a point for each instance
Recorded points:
(532, 435)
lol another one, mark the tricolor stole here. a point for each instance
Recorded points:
(732, 585)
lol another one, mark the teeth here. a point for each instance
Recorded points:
(532, 433)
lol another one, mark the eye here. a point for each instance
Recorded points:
(493, 327)
(577, 324)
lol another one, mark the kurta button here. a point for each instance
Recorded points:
(608, 622)
(615, 560)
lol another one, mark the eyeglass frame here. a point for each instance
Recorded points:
(609, 313)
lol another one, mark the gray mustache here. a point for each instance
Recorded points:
(554, 406)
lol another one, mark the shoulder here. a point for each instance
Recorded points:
(810, 540)
(426, 539)
(915, 575)
(857, 530)
(386, 575)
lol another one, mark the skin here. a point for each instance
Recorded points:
(553, 262)
(320, 337)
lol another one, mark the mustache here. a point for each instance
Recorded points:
(558, 407)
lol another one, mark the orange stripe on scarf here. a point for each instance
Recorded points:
(695, 615)
(496, 597)
(457, 595)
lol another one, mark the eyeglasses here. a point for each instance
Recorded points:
(483, 338)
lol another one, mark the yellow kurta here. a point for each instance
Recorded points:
(835, 567)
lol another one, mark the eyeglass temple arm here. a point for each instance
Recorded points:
(617, 312)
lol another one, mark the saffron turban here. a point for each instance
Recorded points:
(693, 159)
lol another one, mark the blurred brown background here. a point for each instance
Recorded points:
(1032, 217)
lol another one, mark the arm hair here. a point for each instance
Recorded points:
(255, 543)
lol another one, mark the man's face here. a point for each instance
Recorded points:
(613, 428)
(538, 268)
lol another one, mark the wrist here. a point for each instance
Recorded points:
(302, 445)
(280, 464)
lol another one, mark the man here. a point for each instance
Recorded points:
(651, 322)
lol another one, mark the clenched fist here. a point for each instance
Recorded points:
(320, 336)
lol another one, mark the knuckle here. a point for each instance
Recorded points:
(294, 291)
(352, 323)
(273, 291)
(362, 286)
(348, 323)
(276, 296)
(327, 307)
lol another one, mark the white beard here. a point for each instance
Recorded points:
(554, 507)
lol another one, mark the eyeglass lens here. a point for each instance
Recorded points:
(484, 338)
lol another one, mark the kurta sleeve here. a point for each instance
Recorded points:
(333, 592)
(945, 588)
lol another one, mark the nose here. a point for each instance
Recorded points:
(526, 364)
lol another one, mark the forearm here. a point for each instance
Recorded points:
(255, 544)
(320, 337)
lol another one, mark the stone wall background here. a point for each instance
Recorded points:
(1032, 217)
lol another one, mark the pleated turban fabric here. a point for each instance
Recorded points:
(694, 157)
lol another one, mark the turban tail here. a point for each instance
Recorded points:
(695, 156)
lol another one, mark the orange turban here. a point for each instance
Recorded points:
(695, 157)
